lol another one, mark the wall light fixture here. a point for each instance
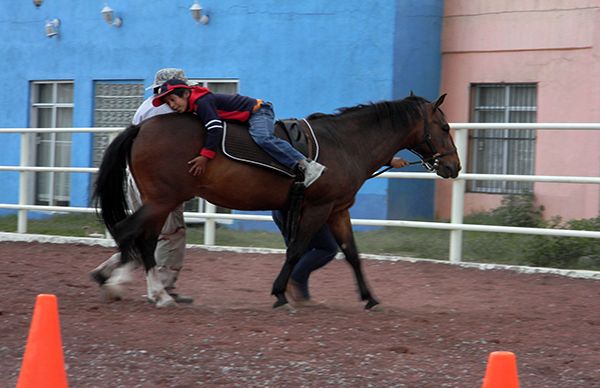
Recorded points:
(110, 18)
(52, 27)
(197, 14)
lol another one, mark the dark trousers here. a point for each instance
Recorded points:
(321, 250)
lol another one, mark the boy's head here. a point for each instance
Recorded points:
(174, 92)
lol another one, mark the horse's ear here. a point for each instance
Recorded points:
(439, 101)
(412, 94)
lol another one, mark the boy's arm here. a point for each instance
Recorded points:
(207, 111)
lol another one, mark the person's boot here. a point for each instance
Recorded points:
(298, 294)
(311, 170)
(168, 276)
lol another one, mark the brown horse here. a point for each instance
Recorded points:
(354, 143)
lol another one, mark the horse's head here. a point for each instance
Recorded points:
(436, 147)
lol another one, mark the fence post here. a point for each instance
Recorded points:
(209, 224)
(458, 197)
(23, 184)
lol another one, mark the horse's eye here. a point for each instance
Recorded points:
(446, 128)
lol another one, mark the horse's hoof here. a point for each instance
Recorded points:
(284, 307)
(377, 308)
(372, 305)
(281, 300)
(98, 277)
(280, 304)
(111, 293)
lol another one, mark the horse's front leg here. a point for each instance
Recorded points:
(340, 226)
(292, 256)
(311, 220)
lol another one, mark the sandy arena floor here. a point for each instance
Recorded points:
(438, 327)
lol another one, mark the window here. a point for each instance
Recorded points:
(52, 107)
(217, 85)
(503, 151)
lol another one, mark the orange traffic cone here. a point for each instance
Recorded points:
(43, 363)
(501, 371)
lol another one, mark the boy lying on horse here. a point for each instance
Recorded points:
(212, 108)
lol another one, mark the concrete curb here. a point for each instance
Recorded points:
(579, 274)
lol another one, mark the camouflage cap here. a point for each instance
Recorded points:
(166, 74)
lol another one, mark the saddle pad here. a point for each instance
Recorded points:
(239, 145)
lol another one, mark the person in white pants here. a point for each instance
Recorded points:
(170, 249)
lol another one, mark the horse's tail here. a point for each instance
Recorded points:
(109, 193)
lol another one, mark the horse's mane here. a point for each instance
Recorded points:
(403, 112)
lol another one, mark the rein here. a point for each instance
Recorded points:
(388, 168)
(431, 164)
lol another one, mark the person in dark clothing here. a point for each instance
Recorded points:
(212, 108)
(321, 250)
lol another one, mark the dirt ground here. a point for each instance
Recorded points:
(439, 325)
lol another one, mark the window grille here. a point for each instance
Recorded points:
(503, 151)
(115, 104)
(52, 107)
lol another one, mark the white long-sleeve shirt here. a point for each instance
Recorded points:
(147, 110)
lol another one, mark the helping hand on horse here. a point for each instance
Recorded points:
(198, 165)
(398, 162)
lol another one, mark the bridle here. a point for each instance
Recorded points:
(431, 163)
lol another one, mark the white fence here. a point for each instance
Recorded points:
(455, 226)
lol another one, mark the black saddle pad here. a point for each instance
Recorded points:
(239, 145)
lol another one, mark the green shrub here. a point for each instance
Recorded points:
(566, 252)
(540, 251)
(515, 210)
(519, 210)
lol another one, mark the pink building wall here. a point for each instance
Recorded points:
(553, 43)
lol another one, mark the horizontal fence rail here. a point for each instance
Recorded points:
(210, 216)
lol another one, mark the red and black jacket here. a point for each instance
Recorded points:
(212, 108)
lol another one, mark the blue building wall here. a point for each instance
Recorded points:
(417, 56)
(304, 56)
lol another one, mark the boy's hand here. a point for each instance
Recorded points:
(198, 165)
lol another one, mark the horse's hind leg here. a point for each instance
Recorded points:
(112, 275)
(152, 220)
(156, 292)
(121, 274)
(340, 226)
(137, 235)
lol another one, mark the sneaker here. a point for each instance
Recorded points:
(311, 170)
